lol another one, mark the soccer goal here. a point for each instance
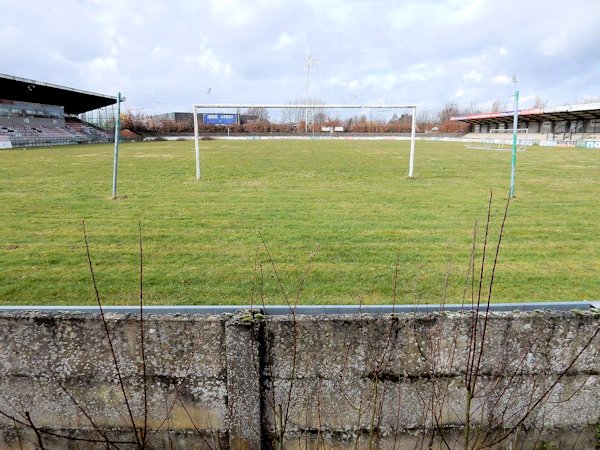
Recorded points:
(501, 140)
(305, 121)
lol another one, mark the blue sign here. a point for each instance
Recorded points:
(220, 119)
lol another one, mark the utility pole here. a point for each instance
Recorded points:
(310, 63)
(116, 156)
(514, 139)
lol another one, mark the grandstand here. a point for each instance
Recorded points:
(34, 113)
(561, 124)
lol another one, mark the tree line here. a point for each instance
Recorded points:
(258, 120)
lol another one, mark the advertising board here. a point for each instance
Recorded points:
(5, 142)
(590, 144)
(220, 119)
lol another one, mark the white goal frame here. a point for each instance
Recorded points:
(501, 144)
(197, 106)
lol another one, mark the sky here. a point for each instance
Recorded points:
(164, 56)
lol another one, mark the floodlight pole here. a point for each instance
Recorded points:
(310, 63)
(116, 156)
(514, 140)
(196, 143)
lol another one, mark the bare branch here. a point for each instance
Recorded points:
(109, 339)
(142, 340)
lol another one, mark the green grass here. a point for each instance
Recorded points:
(349, 199)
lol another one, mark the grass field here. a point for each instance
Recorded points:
(351, 200)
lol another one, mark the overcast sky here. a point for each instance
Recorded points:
(165, 55)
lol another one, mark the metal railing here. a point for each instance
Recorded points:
(313, 309)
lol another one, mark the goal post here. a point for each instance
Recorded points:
(290, 116)
(501, 139)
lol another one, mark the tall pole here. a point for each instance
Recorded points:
(116, 156)
(514, 140)
(310, 63)
(196, 143)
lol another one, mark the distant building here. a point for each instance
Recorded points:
(179, 117)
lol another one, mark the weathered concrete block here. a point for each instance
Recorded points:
(307, 381)
(76, 344)
(244, 361)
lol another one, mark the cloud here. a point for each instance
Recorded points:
(502, 79)
(473, 75)
(206, 59)
(553, 44)
(385, 81)
(342, 83)
(423, 72)
(285, 41)
(425, 51)
(100, 69)
(460, 93)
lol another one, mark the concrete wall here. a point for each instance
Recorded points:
(347, 381)
(46, 359)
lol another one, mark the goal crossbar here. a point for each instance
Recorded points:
(300, 106)
(197, 106)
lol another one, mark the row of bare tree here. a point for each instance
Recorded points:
(294, 120)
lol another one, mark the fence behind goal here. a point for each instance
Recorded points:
(501, 140)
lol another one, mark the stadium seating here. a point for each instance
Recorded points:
(74, 131)
(558, 135)
(529, 136)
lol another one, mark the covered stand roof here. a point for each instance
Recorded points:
(570, 112)
(75, 101)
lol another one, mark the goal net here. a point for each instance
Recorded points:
(304, 121)
(501, 140)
